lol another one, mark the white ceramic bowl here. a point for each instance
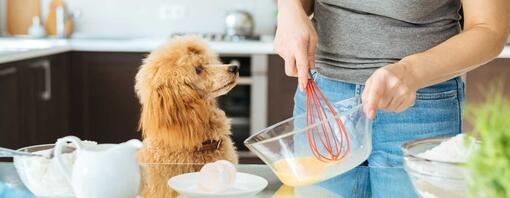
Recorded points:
(41, 176)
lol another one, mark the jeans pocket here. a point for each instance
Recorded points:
(449, 94)
(450, 89)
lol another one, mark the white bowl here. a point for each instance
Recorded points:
(40, 175)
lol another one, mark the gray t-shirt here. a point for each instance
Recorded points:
(358, 36)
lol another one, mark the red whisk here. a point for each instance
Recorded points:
(324, 143)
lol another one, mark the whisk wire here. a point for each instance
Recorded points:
(322, 116)
(335, 144)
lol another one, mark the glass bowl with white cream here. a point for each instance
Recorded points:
(437, 165)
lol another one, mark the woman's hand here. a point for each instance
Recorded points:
(389, 89)
(295, 40)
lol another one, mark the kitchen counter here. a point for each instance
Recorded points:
(14, 49)
(11, 186)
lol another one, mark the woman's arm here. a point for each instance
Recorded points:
(486, 26)
(295, 40)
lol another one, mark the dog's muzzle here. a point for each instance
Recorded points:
(234, 69)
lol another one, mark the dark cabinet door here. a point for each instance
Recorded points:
(479, 82)
(33, 101)
(104, 106)
(10, 108)
(45, 99)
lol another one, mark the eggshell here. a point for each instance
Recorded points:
(217, 176)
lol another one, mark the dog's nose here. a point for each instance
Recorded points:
(233, 69)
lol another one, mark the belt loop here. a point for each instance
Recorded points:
(357, 91)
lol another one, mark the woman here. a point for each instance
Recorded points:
(403, 57)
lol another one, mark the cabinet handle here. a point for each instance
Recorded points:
(8, 71)
(45, 64)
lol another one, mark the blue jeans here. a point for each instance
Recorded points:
(437, 112)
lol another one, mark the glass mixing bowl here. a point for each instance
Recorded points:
(285, 148)
(434, 178)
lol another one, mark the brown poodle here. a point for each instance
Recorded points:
(181, 125)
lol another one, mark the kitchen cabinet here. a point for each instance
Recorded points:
(46, 99)
(10, 108)
(281, 89)
(104, 106)
(478, 82)
(33, 101)
(280, 99)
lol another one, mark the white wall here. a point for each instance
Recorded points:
(3, 17)
(129, 18)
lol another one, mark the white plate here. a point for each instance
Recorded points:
(245, 185)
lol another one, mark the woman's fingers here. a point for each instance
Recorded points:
(384, 90)
(290, 66)
(370, 98)
(295, 40)
(312, 45)
(302, 62)
(398, 105)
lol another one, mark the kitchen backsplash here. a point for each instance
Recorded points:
(3, 17)
(132, 18)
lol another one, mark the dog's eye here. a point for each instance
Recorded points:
(199, 69)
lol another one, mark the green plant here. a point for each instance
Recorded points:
(490, 166)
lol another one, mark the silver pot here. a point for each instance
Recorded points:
(239, 23)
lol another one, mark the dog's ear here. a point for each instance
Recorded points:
(195, 49)
(173, 108)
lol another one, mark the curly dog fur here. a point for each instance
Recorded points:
(177, 86)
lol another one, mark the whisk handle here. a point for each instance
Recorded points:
(310, 74)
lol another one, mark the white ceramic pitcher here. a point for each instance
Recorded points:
(102, 171)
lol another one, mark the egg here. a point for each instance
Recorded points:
(217, 176)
